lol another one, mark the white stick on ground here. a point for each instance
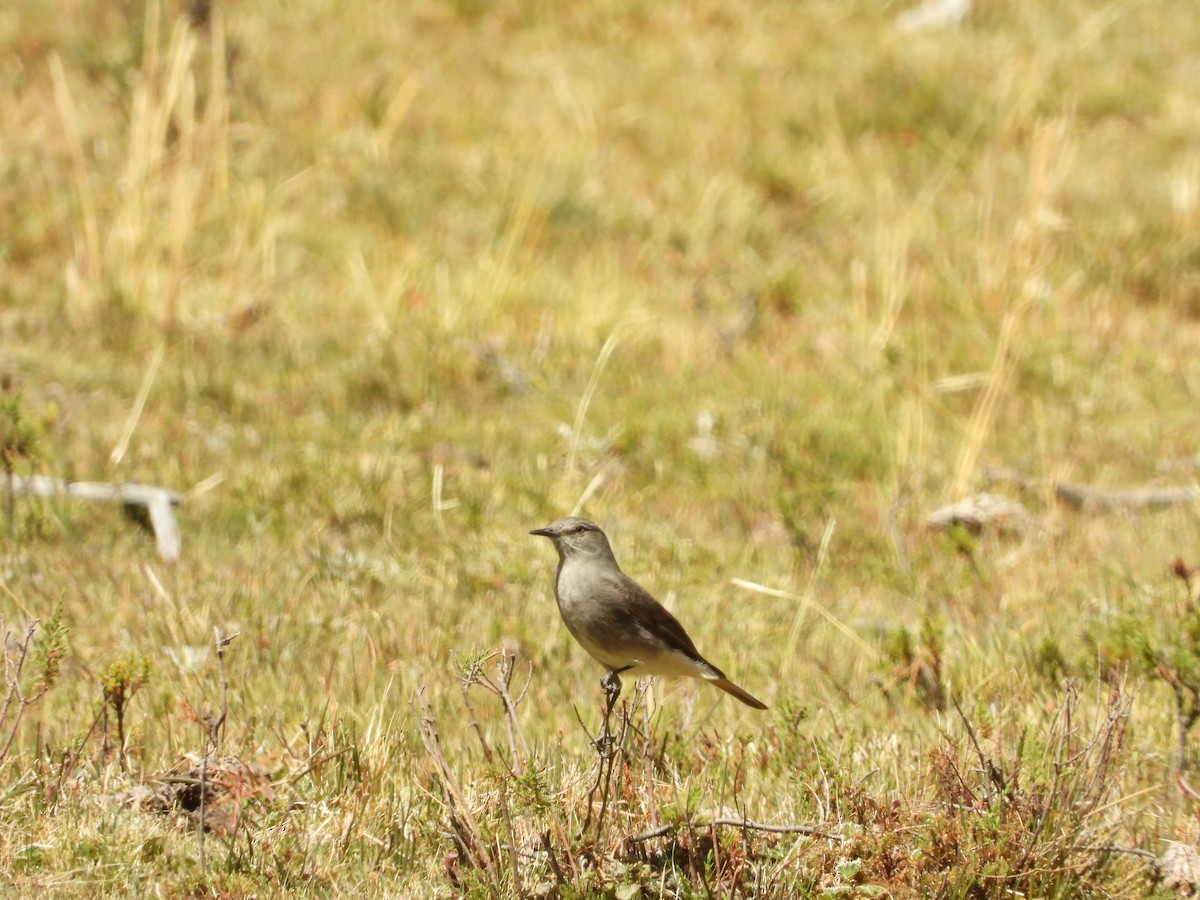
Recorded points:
(156, 501)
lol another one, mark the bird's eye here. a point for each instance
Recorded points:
(578, 529)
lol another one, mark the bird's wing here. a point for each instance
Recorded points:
(652, 618)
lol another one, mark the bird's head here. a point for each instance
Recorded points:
(574, 537)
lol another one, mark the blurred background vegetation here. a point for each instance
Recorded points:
(377, 287)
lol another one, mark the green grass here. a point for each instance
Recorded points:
(761, 285)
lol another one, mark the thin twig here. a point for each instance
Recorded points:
(200, 824)
(465, 683)
(467, 834)
(745, 824)
(587, 821)
(607, 748)
(549, 848)
(13, 674)
(1113, 848)
(1186, 788)
(475, 674)
(316, 763)
(215, 726)
(993, 772)
(507, 666)
(72, 756)
(608, 757)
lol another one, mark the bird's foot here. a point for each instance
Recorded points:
(611, 684)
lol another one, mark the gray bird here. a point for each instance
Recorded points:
(616, 620)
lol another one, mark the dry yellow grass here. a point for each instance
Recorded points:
(380, 287)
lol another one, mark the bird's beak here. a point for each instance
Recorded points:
(543, 532)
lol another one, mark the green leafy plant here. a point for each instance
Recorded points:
(1170, 654)
(46, 651)
(120, 681)
(20, 439)
(49, 650)
(918, 660)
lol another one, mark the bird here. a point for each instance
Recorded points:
(616, 620)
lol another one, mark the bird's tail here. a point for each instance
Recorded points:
(730, 688)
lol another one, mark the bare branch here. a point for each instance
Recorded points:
(745, 824)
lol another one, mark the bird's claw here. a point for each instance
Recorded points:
(611, 683)
(612, 690)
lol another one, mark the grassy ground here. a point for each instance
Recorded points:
(379, 287)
